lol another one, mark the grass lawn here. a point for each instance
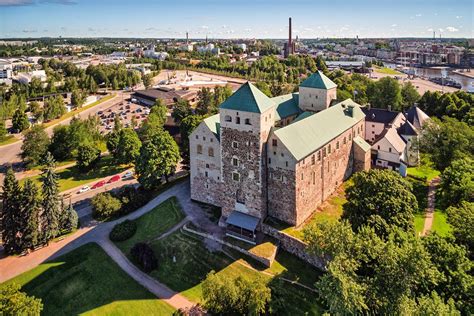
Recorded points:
(330, 210)
(423, 172)
(87, 281)
(386, 70)
(71, 177)
(72, 113)
(193, 261)
(154, 223)
(440, 223)
(10, 139)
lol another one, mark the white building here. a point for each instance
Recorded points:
(25, 77)
(243, 46)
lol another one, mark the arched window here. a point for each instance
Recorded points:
(210, 151)
(247, 121)
(228, 118)
(237, 120)
(199, 149)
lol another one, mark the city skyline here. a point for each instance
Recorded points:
(246, 19)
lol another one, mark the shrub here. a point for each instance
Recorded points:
(105, 205)
(144, 256)
(123, 231)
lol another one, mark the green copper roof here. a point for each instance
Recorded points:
(305, 136)
(359, 141)
(248, 99)
(214, 124)
(286, 105)
(319, 81)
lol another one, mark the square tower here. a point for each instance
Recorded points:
(245, 122)
(317, 92)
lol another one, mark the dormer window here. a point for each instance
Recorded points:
(228, 118)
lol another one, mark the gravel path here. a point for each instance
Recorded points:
(429, 215)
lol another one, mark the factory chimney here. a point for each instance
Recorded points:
(290, 44)
(187, 38)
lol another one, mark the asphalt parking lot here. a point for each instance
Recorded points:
(126, 111)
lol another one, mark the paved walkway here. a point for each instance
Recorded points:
(429, 215)
(99, 232)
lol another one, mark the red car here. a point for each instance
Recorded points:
(114, 179)
(98, 185)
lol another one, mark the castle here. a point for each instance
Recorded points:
(278, 157)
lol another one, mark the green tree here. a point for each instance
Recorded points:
(36, 110)
(61, 144)
(14, 302)
(3, 130)
(186, 127)
(147, 80)
(446, 141)
(78, 98)
(29, 215)
(114, 136)
(461, 219)
(105, 205)
(51, 205)
(381, 199)
(128, 147)
(220, 95)
(70, 220)
(181, 109)
(205, 102)
(158, 158)
(87, 156)
(385, 93)
(11, 204)
(457, 182)
(20, 120)
(35, 145)
(409, 95)
(159, 110)
(238, 296)
(53, 108)
(264, 87)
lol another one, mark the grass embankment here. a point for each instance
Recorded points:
(423, 172)
(184, 262)
(77, 111)
(386, 70)
(72, 177)
(154, 223)
(7, 140)
(87, 281)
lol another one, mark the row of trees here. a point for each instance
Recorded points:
(29, 217)
(375, 263)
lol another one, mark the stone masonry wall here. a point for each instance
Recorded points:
(294, 246)
(282, 194)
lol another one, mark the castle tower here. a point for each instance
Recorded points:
(245, 122)
(317, 92)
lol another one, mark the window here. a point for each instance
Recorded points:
(207, 174)
(235, 176)
(237, 120)
(235, 145)
(212, 140)
(329, 148)
(302, 176)
(207, 165)
(378, 147)
(314, 178)
(197, 136)
(373, 125)
(282, 155)
(337, 145)
(274, 153)
(247, 121)
(313, 160)
(286, 163)
(319, 155)
(345, 140)
(269, 160)
(228, 118)
(373, 132)
(235, 162)
(199, 149)
(274, 142)
(324, 152)
(210, 152)
(390, 149)
(350, 137)
(204, 138)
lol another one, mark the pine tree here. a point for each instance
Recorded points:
(70, 219)
(10, 209)
(29, 215)
(51, 203)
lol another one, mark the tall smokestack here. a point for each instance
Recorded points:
(290, 45)
(187, 38)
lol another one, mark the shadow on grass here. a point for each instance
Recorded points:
(87, 280)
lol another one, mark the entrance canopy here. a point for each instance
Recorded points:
(243, 221)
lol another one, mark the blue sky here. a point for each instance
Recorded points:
(235, 18)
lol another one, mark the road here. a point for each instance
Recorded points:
(9, 154)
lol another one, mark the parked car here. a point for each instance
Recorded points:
(127, 175)
(84, 189)
(98, 185)
(114, 179)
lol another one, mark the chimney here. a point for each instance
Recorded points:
(187, 38)
(290, 45)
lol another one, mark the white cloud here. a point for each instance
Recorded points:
(418, 15)
(430, 29)
(204, 27)
(451, 29)
(458, 16)
(394, 25)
